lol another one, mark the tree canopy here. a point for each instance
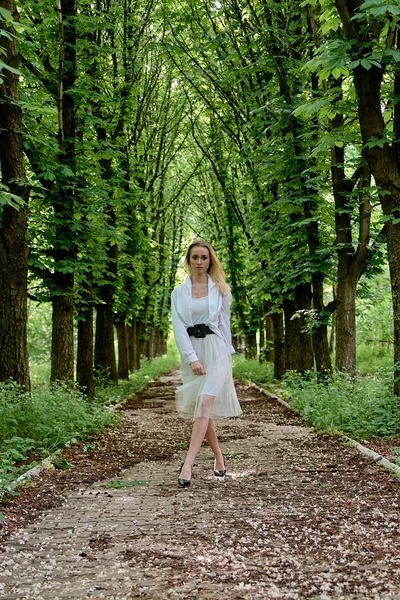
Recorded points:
(129, 128)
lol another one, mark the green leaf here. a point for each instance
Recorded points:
(366, 64)
(7, 16)
(4, 67)
(1, 517)
(61, 463)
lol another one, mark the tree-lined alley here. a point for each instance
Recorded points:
(128, 128)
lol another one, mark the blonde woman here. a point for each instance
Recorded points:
(201, 323)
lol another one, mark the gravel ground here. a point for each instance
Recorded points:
(299, 515)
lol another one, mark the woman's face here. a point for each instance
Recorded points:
(199, 259)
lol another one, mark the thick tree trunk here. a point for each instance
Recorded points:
(123, 356)
(84, 360)
(279, 345)
(13, 232)
(298, 343)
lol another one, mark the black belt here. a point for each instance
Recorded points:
(199, 331)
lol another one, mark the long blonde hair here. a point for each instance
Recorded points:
(215, 270)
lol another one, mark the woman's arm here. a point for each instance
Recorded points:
(225, 320)
(181, 336)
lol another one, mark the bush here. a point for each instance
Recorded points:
(39, 422)
(363, 408)
(252, 370)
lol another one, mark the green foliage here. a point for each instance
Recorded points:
(37, 423)
(252, 370)
(362, 409)
(39, 332)
(6, 197)
(374, 321)
(149, 371)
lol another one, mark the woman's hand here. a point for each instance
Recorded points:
(197, 368)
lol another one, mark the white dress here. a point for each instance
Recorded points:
(217, 382)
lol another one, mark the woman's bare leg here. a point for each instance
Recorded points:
(212, 439)
(199, 431)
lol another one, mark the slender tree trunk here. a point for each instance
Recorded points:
(130, 339)
(135, 346)
(346, 324)
(251, 345)
(261, 356)
(322, 355)
(13, 227)
(62, 348)
(84, 361)
(279, 346)
(123, 360)
(104, 350)
(269, 338)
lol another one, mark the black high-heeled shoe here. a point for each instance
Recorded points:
(222, 472)
(183, 483)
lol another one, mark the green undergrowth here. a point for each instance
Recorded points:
(36, 424)
(363, 408)
(251, 370)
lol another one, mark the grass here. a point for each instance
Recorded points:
(44, 420)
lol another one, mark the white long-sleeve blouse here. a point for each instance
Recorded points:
(218, 321)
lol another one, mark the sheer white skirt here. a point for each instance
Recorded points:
(217, 383)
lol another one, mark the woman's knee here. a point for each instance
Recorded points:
(206, 405)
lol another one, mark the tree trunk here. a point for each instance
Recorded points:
(261, 356)
(383, 157)
(104, 350)
(62, 343)
(298, 343)
(62, 349)
(134, 356)
(132, 348)
(393, 244)
(123, 360)
(269, 338)
(14, 362)
(84, 360)
(320, 342)
(251, 345)
(279, 346)
(346, 325)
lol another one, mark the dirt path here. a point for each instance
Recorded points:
(298, 516)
